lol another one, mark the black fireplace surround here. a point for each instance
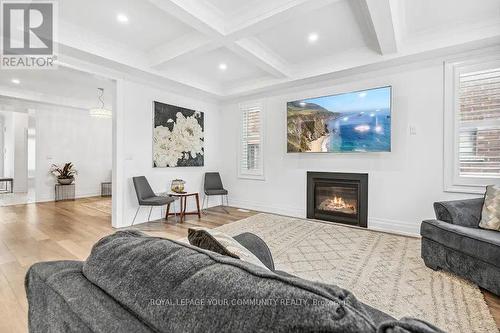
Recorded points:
(338, 197)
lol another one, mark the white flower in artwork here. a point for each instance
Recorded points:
(185, 140)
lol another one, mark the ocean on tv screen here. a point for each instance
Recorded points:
(352, 122)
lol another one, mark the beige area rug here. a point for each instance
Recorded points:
(382, 270)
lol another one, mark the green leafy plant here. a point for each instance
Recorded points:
(68, 171)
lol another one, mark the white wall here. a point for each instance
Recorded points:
(2, 148)
(15, 165)
(403, 184)
(71, 135)
(8, 129)
(134, 128)
(20, 152)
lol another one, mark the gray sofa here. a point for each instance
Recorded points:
(135, 283)
(455, 243)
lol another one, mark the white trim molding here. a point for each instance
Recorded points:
(257, 173)
(453, 181)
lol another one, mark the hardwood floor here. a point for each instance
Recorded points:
(67, 230)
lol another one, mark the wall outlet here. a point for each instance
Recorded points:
(413, 130)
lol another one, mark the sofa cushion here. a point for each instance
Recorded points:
(257, 246)
(61, 299)
(219, 242)
(475, 242)
(176, 287)
(490, 217)
(376, 315)
(466, 213)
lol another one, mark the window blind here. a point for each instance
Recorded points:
(251, 140)
(479, 123)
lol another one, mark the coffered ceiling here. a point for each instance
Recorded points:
(228, 48)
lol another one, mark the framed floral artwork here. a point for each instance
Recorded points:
(178, 136)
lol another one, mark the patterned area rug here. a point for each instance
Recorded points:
(382, 270)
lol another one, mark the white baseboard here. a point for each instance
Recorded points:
(78, 196)
(386, 225)
(397, 227)
(276, 209)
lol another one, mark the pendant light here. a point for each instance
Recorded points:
(100, 112)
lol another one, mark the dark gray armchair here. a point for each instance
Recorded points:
(146, 196)
(213, 186)
(454, 242)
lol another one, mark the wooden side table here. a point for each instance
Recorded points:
(64, 192)
(183, 199)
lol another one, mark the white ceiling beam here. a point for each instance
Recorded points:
(208, 22)
(195, 14)
(194, 43)
(266, 16)
(380, 15)
(257, 53)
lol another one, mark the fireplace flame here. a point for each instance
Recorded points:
(337, 204)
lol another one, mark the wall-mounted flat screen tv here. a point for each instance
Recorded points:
(345, 123)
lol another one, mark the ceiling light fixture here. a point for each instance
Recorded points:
(313, 37)
(16, 81)
(100, 111)
(122, 18)
(222, 66)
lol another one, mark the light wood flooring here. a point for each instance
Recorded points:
(67, 230)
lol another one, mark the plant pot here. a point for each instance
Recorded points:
(65, 181)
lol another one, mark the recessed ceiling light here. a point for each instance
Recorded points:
(122, 18)
(222, 66)
(313, 37)
(16, 81)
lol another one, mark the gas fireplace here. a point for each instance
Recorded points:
(338, 197)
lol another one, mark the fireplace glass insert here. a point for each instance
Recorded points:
(338, 197)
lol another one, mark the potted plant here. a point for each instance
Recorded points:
(65, 175)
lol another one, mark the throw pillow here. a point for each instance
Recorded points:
(490, 217)
(219, 242)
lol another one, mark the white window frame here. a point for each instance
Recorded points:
(257, 174)
(453, 182)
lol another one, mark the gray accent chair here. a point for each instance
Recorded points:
(454, 242)
(146, 196)
(135, 283)
(213, 186)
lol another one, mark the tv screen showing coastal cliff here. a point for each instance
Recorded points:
(346, 123)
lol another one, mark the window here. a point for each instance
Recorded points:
(472, 125)
(251, 152)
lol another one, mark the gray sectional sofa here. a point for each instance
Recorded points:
(135, 283)
(455, 243)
